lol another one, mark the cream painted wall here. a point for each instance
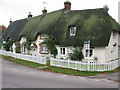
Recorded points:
(112, 51)
(68, 50)
(99, 52)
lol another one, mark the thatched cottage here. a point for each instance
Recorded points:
(70, 29)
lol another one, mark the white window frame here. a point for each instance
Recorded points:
(72, 31)
(87, 54)
(44, 49)
(62, 51)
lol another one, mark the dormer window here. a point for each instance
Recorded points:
(43, 36)
(72, 31)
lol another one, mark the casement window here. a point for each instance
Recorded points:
(72, 31)
(44, 49)
(89, 53)
(62, 51)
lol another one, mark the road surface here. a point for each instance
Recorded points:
(19, 76)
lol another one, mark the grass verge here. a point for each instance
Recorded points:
(76, 72)
(28, 63)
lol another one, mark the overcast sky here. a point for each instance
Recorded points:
(19, 9)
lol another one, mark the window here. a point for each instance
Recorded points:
(62, 51)
(89, 53)
(72, 31)
(43, 36)
(114, 35)
(44, 49)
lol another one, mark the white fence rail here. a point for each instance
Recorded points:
(85, 66)
(38, 59)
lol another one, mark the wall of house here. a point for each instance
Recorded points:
(22, 40)
(112, 49)
(119, 45)
(98, 52)
(23, 50)
(39, 41)
(68, 49)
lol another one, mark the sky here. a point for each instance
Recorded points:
(19, 9)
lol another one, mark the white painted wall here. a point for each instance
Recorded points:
(112, 51)
(39, 41)
(119, 45)
(68, 50)
(23, 50)
(99, 52)
(22, 40)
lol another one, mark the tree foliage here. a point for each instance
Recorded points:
(8, 45)
(50, 43)
(27, 45)
(77, 55)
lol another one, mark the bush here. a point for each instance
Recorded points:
(8, 45)
(50, 43)
(77, 55)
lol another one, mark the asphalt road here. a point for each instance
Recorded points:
(19, 76)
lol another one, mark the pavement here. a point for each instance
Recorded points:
(110, 76)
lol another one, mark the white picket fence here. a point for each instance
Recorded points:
(77, 65)
(38, 59)
(85, 66)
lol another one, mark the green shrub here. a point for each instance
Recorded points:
(50, 43)
(8, 45)
(77, 55)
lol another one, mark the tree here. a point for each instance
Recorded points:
(106, 8)
(27, 45)
(77, 55)
(50, 43)
(8, 45)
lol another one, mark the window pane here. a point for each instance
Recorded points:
(91, 52)
(60, 50)
(72, 31)
(87, 53)
(63, 50)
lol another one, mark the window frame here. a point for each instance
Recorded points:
(72, 30)
(43, 49)
(89, 54)
(62, 51)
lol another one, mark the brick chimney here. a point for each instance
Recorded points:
(44, 10)
(30, 15)
(67, 5)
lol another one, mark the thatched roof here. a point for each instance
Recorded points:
(95, 25)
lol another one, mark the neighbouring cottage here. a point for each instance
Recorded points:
(70, 29)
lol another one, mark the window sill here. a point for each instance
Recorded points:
(89, 58)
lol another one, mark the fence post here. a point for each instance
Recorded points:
(110, 65)
(68, 63)
(51, 61)
(88, 66)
